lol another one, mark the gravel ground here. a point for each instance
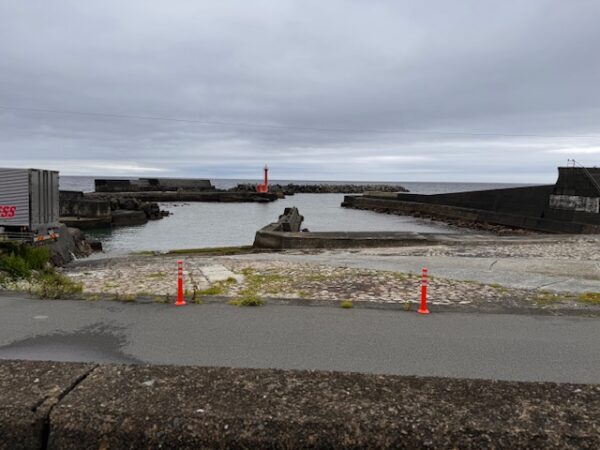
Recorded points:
(126, 278)
(285, 276)
(157, 276)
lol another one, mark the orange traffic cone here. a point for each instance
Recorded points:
(180, 300)
(423, 309)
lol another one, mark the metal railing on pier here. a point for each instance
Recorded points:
(16, 236)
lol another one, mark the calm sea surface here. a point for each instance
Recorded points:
(194, 225)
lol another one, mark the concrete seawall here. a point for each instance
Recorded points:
(411, 206)
(571, 205)
(73, 405)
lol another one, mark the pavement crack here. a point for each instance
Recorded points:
(492, 265)
(50, 401)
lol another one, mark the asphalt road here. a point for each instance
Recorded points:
(510, 347)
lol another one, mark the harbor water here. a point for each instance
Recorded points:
(200, 225)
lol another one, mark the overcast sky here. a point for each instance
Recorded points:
(321, 90)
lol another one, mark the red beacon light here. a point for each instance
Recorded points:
(264, 188)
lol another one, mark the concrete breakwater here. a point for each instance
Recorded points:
(82, 211)
(291, 189)
(571, 205)
(287, 233)
(104, 209)
(77, 405)
(152, 184)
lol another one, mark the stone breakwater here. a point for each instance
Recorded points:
(291, 189)
(189, 196)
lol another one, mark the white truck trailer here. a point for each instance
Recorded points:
(29, 209)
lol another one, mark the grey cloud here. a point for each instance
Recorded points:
(312, 88)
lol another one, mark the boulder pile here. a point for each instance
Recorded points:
(291, 189)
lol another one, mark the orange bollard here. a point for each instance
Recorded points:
(180, 300)
(423, 309)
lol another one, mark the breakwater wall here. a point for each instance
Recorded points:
(152, 184)
(286, 233)
(569, 206)
(291, 189)
(188, 196)
(466, 216)
(51, 405)
(92, 210)
(78, 209)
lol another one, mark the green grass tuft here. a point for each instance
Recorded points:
(219, 288)
(547, 298)
(247, 300)
(22, 260)
(157, 275)
(346, 304)
(590, 297)
(499, 287)
(53, 285)
(215, 289)
(15, 267)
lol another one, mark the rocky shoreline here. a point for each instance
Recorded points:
(291, 188)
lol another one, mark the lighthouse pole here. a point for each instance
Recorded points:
(266, 178)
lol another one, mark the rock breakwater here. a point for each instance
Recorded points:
(291, 188)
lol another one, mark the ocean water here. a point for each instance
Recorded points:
(196, 225)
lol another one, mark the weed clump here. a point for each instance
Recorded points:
(53, 285)
(218, 288)
(157, 276)
(23, 260)
(590, 297)
(247, 300)
(498, 287)
(15, 267)
(215, 289)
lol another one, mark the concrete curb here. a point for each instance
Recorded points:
(117, 406)
(582, 311)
